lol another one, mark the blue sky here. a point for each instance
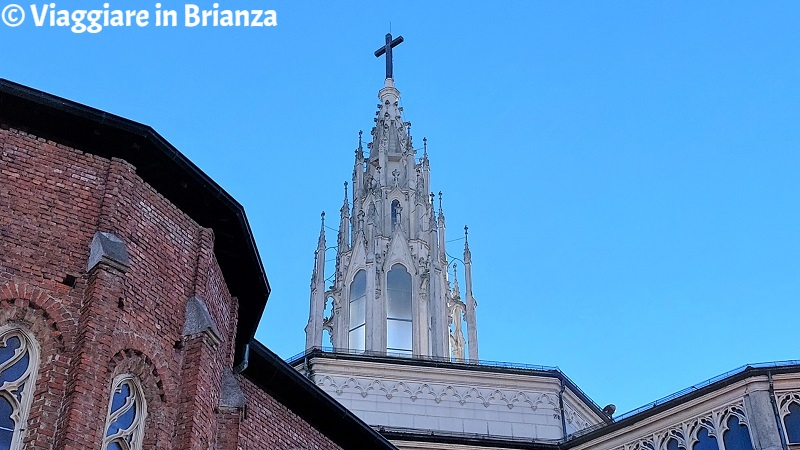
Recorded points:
(628, 170)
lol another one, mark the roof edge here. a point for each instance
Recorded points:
(288, 386)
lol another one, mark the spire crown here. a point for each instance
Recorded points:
(321, 241)
(467, 253)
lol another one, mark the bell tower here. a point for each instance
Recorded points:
(392, 290)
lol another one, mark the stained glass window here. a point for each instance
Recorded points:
(126, 413)
(18, 365)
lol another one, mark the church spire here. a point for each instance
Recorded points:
(344, 224)
(469, 300)
(317, 307)
(390, 289)
(442, 237)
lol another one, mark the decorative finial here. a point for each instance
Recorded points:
(360, 132)
(425, 147)
(456, 292)
(440, 202)
(321, 241)
(433, 196)
(467, 253)
(345, 190)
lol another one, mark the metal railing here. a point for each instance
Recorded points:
(689, 390)
(482, 363)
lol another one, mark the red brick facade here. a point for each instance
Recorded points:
(121, 320)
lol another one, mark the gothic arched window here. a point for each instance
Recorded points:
(704, 441)
(792, 423)
(737, 437)
(127, 410)
(398, 317)
(397, 213)
(19, 360)
(358, 312)
(672, 444)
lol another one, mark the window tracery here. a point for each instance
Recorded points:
(702, 433)
(789, 410)
(127, 410)
(19, 360)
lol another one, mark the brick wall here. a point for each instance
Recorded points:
(270, 425)
(116, 320)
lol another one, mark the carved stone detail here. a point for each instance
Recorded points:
(715, 422)
(440, 392)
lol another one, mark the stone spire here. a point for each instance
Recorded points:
(442, 236)
(344, 224)
(390, 289)
(317, 308)
(469, 300)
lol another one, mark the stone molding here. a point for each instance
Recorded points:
(414, 390)
(685, 432)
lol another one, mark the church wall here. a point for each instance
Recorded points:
(268, 424)
(119, 317)
(405, 396)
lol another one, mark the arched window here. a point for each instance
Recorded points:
(127, 410)
(792, 423)
(358, 312)
(704, 441)
(398, 323)
(672, 444)
(19, 360)
(737, 437)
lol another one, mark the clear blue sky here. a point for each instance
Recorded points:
(629, 170)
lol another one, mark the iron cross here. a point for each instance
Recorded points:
(387, 49)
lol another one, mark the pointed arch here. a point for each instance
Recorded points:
(399, 316)
(127, 410)
(358, 312)
(19, 366)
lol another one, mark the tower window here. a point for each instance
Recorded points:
(358, 312)
(398, 323)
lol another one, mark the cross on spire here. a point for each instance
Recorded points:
(387, 49)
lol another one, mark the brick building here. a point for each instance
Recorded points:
(130, 291)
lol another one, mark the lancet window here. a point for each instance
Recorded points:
(127, 410)
(398, 323)
(790, 413)
(19, 360)
(358, 312)
(737, 436)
